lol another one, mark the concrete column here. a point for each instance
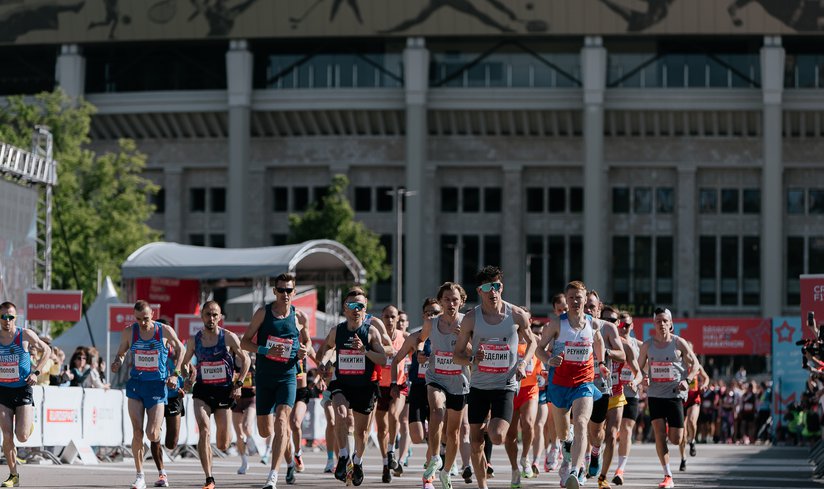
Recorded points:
(71, 70)
(513, 248)
(772, 178)
(416, 84)
(239, 80)
(175, 200)
(593, 70)
(257, 233)
(685, 280)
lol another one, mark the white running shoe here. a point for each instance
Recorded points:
(526, 469)
(139, 483)
(270, 483)
(244, 464)
(432, 466)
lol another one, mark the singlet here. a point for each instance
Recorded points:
(15, 362)
(149, 356)
(748, 400)
(417, 372)
(626, 372)
(615, 378)
(442, 370)
(499, 343)
(534, 369)
(353, 367)
(666, 369)
(576, 346)
(274, 331)
(215, 365)
(386, 370)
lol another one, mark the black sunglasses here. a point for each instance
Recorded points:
(8, 317)
(285, 290)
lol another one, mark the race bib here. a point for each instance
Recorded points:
(213, 372)
(351, 362)
(422, 368)
(626, 375)
(748, 406)
(496, 358)
(577, 352)
(662, 372)
(707, 403)
(444, 364)
(614, 378)
(287, 348)
(146, 360)
(10, 371)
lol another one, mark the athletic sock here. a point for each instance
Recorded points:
(385, 461)
(596, 451)
(273, 474)
(344, 452)
(357, 460)
(667, 470)
(622, 461)
(330, 454)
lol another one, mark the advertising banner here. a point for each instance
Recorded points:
(54, 305)
(102, 417)
(62, 417)
(719, 336)
(812, 299)
(174, 296)
(187, 325)
(789, 379)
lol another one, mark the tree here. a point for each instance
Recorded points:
(101, 202)
(334, 219)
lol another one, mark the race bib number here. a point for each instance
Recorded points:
(577, 352)
(10, 370)
(213, 372)
(444, 364)
(496, 358)
(748, 406)
(422, 368)
(707, 403)
(351, 362)
(662, 372)
(626, 375)
(614, 378)
(287, 348)
(146, 360)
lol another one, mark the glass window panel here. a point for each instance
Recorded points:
(383, 288)
(492, 199)
(158, 200)
(319, 193)
(708, 200)
(363, 199)
(729, 270)
(620, 200)
(449, 243)
(534, 247)
(816, 201)
(664, 269)
(795, 267)
(217, 199)
(557, 262)
(664, 203)
(300, 199)
(795, 201)
(576, 257)
(751, 269)
(280, 199)
(816, 254)
(449, 199)
(217, 240)
(557, 199)
(576, 200)
(643, 200)
(621, 268)
(729, 201)
(492, 250)
(642, 270)
(471, 263)
(197, 200)
(535, 199)
(707, 270)
(197, 239)
(384, 199)
(471, 199)
(752, 201)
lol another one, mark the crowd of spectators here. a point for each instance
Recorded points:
(85, 367)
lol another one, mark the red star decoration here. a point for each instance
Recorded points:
(785, 333)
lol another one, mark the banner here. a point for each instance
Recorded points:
(307, 303)
(102, 417)
(719, 336)
(174, 296)
(812, 299)
(54, 305)
(187, 325)
(36, 437)
(789, 379)
(62, 419)
(121, 316)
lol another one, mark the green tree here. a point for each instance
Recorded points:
(334, 219)
(100, 201)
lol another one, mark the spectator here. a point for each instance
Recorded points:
(94, 380)
(56, 375)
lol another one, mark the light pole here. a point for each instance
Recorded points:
(456, 267)
(399, 194)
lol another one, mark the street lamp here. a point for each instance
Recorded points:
(399, 193)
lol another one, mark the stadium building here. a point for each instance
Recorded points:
(665, 151)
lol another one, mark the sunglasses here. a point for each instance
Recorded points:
(8, 317)
(610, 319)
(285, 290)
(356, 306)
(490, 286)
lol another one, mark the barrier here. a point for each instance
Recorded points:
(36, 438)
(103, 417)
(62, 419)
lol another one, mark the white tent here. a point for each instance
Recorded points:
(78, 335)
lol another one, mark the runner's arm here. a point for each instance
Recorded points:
(241, 357)
(525, 334)
(377, 354)
(254, 326)
(460, 356)
(547, 340)
(407, 346)
(171, 336)
(304, 338)
(187, 359)
(33, 339)
(381, 328)
(125, 343)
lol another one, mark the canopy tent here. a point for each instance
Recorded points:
(97, 313)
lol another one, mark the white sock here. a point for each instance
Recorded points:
(344, 452)
(667, 470)
(291, 463)
(357, 460)
(299, 453)
(622, 461)
(385, 461)
(162, 472)
(273, 475)
(140, 475)
(243, 458)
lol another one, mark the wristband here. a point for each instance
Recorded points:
(262, 350)
(176, 373)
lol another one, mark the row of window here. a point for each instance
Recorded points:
(555, 199)
(296, 199)
(729, 270)
(471, 199)
(732, 201)
(640, 200)
(805, 254)
(805, 201)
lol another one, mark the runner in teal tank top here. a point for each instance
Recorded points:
(279, 336)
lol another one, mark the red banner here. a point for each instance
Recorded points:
(187, 325)
(175, 296)
(720, 336)
(54, 305)
(121, 316)
(307, 303)
(812, 299)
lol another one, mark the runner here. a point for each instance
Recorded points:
(630, 411)
(243, 415)
(495, 328)
(278, 327)
(692, 405)
(390, 406)
(551, 445)
(16, 381)
(669, 366)
(174, 410)
(576, 342)
(149, 342)
(404, 445)
(303, 395)
(537, 328)
(215, 390)
(358, 346)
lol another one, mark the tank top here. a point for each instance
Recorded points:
(215, 365)
(149, 356)
(443, 371)
(626, 372)
(576, 346)
(665, 370)
(386, 370)
(417, 372)
(499, 343)
(353, 367)
(534, 368)
(15, 362)
(273, 331)
(615, 378)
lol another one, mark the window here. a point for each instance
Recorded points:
(620, 202)
(471, 199)
(551, 268)
(279, 239)
(621, 267)
(471, 262)
(300, 199)
(708, 282)
(492, 250)
(217, 240)
(664, 269)
(576, 200)
(557, 199)
(492, 199)
(729, 201)
(158, 200)
(320, 193)
(643, 200)
(729, 270)
(535, 199)
(751, 268)
(197, 239)
(217, 199)
(385, 199)
(708, 200)
(816, 254)
(795, 201)
(556, 246)
(383, 288)
(280, 199)
(576, 257)
(197, 200)
(795, 267)
(450, 258)
(535, 250)
(449, 199)
(752, 201)
(642, 270)
(363, 199)
(664, 203)
(816, 201)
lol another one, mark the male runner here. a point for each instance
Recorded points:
(629, 414)
(669, 366)
(495, 327)
(692, 405)
(174, 410)
(551, 441)
(16, 380)
(281, 343)
(390, 406)
(149, 342)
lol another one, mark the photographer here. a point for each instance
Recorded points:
(811, 349)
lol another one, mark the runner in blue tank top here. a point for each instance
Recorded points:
(279, 336)
(172, 413)
(149, 343)
(216, 389)
(16, 379)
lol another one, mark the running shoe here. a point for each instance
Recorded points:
(594, 465)
(340, 470)
(431, 467)
(618, 480)
(516, 480)
(428, 485)
(467, 474)
(399, 469)
(350, 472)
(551, 461)
(264, 459)
(490, 472)
(299, 462)
(572, 482)
(14, 481)
(270, 482)
(683, 466)
(693, 451)
(582, 477)
(210, 483)
(666, 483)
(357, 474)
(446, 479)
(330, 466)
(387, 475)
(526, 469)
(534, 471)
(390, 461)
(244, 465)
(162, 481)
(290, 474)
(454, 472)
(563, 472)
(602, 482)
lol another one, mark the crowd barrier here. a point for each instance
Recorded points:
(100, 418)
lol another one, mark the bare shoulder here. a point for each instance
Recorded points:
(301, 316)
(520, 315)
(168, 330)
